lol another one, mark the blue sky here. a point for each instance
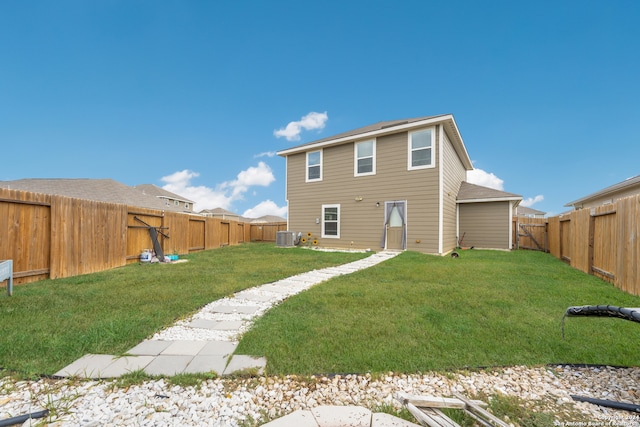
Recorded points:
(197, 96)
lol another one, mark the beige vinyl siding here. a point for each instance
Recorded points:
(485, 225)
(361, 222)
(610, 198)
(453, 174)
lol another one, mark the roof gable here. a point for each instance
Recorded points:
(387, 128)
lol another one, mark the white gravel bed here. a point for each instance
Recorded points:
(241, 402)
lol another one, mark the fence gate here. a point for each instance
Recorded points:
(532, 234)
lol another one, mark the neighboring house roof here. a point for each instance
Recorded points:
(267, 219)
(526, 211)
(220, 213)
(472, 193)
(154, 190)
(389, 127)
(103, 190)
(621, 188)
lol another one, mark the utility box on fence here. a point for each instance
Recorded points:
(285, 238)
(6, 273)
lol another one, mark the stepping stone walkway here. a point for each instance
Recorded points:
(206, 341)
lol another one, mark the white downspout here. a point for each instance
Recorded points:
(441, 188)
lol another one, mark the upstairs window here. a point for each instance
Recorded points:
(421, 149)
(365, 158)
(331, 221)
(314, 166)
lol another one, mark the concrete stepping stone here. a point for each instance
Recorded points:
(216, 325)
(168, 365)
(218, 348)
(125, 365)
(150, 347)
(206, 363)
(242, 363)
(229, 309)
(184, 348)
(88, 366)
(253, 296)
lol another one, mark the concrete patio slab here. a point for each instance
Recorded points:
(210, 363)
(150, 347)
(184, 348)
(342, 416)
(242, 363)
(295, 419)
(168, 365)
(380, 419)
(339, 416)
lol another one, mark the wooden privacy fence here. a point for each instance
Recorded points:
(50, 236)
(602, 241)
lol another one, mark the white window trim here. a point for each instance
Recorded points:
(432, 163)
(306, 171)
(330, 236)
(356, 158)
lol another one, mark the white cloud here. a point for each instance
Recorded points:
(204, 197)
(223, 195)
(486, 179)
(254, 176)
(311, 121)
(266, 207)
(265, 154)
(530, 201)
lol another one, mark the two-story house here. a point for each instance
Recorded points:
(394, 185)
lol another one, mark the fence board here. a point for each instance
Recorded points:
(25, 232)
(86, 236)
(605, 221)
(553, 236)
(627, 277)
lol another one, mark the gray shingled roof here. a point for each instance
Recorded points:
(154, 190)
(390, 127)
(103, 190)
(218, 211)
(369, 128)
(475, 193)
(634, 181)
(524, 210)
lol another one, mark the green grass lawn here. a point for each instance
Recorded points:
(46, 325)
(412, 313)
(418, 312)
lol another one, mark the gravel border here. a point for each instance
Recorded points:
(244, 401)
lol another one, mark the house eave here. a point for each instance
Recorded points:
(499, 199)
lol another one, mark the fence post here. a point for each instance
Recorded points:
(592, 230)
